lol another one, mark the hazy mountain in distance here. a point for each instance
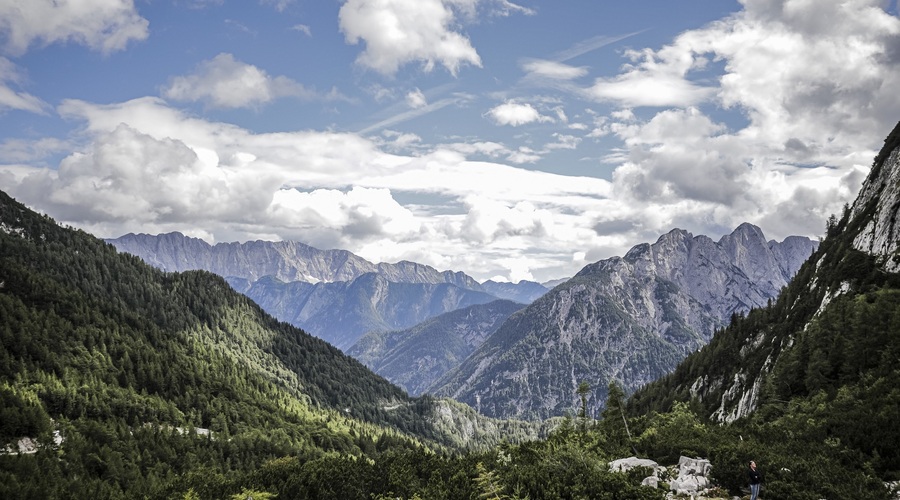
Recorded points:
(414, 358)
(288, 261)
(523, 292)
(343, 311)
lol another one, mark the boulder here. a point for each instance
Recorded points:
(689, 485)
(692, 476)
(693, 466)
(626, 464)
(651, 481)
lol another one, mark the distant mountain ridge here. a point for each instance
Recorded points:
(341, 312)
(523, 292)
(332, 294)
(287, 261)
(630, 319)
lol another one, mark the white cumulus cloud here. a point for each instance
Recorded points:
(397, 32)
(103, 25)
(659, 79)
(225, 82)
(515, 113)
(814, 99)
(416, 99)
(149, 167)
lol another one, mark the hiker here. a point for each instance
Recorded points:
(755, 479)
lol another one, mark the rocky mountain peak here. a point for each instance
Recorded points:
(629, 319)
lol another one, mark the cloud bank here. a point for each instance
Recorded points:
(103, 25)
(224, 82)
(770, 115)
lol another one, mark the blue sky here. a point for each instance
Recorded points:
(509, 140)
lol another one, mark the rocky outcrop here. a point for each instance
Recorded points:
(693, 477)
(29, 446)
(627, 319)
(689, 478)
(626, 464)
(881, 235)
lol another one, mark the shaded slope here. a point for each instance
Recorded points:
(414, 358)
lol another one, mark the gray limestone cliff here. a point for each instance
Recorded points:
(881, 235)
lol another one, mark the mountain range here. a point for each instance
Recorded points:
(333, 294)
(139, 383)
(626, 319)
(837, 324)
(287, 261)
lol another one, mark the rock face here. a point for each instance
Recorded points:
(693, 477)
(880, 196)
(414, 358)
(626, 464)
(627, 319)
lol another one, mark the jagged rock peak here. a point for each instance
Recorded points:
(746, 248)
(733, 390)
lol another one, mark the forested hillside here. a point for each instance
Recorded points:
(158, 382)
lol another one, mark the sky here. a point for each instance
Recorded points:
(507, 139)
